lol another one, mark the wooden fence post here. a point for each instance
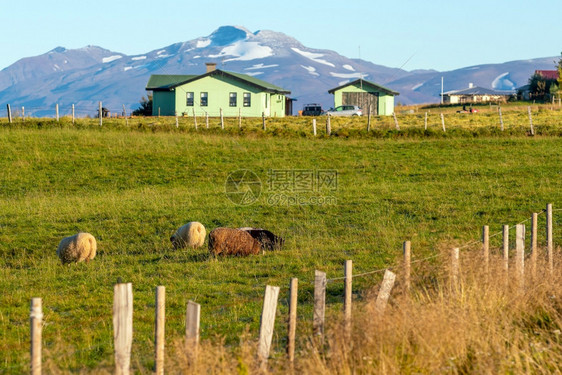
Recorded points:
(328, 125)
(125, 115)
(101, 113)
(263, 120)
(534, 232)
(501, 118)
(177, 120)
(455, 267)
(549, 242)
(406, 245)
(73, 117)
(222, 120)
(425, 122)
(319, 303)
(520, 253)
(369, 118)
(395, 121)
(530, 120)
(240, 118)
(57, 111)
(505, 252)
(23, 113)
(443, 122)
(267, 322)
(384, 292)
(292, 326)
(9, 113)
(194, 119)
(159, 330)
(207, 120)
(486, 247)
(314, 126)
(192, 321)
(347, 296)
(36, 329)
(122, 327)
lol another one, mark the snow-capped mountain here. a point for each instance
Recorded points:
(87, 75)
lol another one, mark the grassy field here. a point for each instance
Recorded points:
(132, 187)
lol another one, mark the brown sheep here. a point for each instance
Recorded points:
(233, 242)
(267, 240)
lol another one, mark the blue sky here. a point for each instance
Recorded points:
(442, 35)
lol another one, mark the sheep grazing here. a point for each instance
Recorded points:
(230, 241)
(81, 246)
(267, 240)
(191, 235)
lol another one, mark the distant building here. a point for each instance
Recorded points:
(208, 93)
(365, 94)
(548, 74)
(475, 94)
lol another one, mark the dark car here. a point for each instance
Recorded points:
(312, 109)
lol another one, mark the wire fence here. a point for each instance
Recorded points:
(258, 299)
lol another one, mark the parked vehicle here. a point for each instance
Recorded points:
(345, 110)
(312, 109)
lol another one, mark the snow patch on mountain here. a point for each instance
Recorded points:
(138, 58)
(244, 51)
(311, 70)
(313, 56)
(202, 43)
(254, 73)
(348, 75)
(348, 67)
(415, 87)
(111, 58)
(261, 66)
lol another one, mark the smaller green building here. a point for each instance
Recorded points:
(365, 94)
(233, 93)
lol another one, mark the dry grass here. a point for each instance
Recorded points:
(485, 324)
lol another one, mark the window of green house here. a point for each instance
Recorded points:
(247, 99)
(189, 99)
(232, 101)
(204, 99)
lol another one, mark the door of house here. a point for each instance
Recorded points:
(363, 100)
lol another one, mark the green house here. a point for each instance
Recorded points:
(233, 93)
(366, 95)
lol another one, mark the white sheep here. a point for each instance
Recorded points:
(81, 246)
(191, 235)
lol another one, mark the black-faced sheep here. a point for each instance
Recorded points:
(77, 248)
(267, 239)
(191, 235)
(235, 242)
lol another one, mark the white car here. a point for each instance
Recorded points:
(345, 110)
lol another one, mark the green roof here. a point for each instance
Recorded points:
(159, 82)
(366, 83)
(166, 81)
(258, 82)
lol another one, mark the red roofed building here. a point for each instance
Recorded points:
(548, 74)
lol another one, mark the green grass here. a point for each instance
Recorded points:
(132, 188)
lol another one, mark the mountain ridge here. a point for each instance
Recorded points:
(90, 74)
